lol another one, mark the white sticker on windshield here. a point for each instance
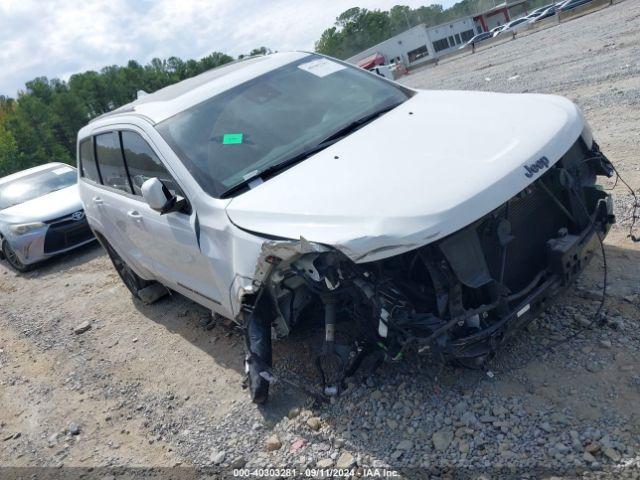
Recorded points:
(61, 170)
(321, 67)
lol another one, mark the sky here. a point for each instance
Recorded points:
(56, 38)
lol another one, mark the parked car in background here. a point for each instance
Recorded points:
(532, 16)
(515, 26)
(41, 215)
(549, 12)
(536, 13)
(572, 4)
(539, 10)
(496, 30)
(269, 191)
(477, 39)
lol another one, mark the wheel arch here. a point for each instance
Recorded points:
(106, 244)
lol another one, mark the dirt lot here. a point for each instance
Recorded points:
(155, 386)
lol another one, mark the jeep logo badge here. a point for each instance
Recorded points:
(77, 216)
(536, 167)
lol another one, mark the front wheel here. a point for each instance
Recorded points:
(12, 258)
(131, 279)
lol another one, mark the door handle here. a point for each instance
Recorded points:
(98, 201)
(134, 214)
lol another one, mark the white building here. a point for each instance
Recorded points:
(422, 44)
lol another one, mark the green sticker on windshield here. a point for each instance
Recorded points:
(232, 138)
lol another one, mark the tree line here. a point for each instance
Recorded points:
(41, 124)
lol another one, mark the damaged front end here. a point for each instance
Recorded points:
(456, 299)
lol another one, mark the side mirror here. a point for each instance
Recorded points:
(159, 198)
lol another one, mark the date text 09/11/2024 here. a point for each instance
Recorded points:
(371, 472)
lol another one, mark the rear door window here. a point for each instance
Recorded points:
(144, 164)
(88, 167)
(111, 163)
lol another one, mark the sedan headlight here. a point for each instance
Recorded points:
(25, 228)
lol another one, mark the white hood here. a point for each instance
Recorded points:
(47, 207)
(435, 164)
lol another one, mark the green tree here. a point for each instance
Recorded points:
(8, 152)
(357, 29)
(41, 125)
(260, 51)
(401, 18)
(330, 43)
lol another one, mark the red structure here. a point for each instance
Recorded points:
(371, 61)
(500, 14)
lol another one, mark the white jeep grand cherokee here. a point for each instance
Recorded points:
(284, 186)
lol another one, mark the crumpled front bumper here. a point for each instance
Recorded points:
(567, 258)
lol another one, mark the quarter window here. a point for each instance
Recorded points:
(88, 167)
(144, 164)
(111, 163)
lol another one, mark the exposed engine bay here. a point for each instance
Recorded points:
(456, 299)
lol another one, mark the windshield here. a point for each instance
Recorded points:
(273, 117)
(36, 185)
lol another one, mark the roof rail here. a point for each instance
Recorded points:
(123, 109)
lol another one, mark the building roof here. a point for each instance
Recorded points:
(377, 46)
(500, 6)
(170, 100)
(371, 50)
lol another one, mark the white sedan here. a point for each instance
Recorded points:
(41, 215)
(514, 26)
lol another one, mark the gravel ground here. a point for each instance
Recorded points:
(159, 386)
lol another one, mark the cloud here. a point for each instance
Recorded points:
(57, 38)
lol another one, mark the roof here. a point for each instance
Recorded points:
(500, 6)
(170, 100)
(29, 171)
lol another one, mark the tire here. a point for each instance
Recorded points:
(12, 258)
(130, 278)
(258, 344)
(258, 386)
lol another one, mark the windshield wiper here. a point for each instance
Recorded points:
(278, 167)
(361, 122)
(330, 140)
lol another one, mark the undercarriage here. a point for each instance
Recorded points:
(456, 299)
